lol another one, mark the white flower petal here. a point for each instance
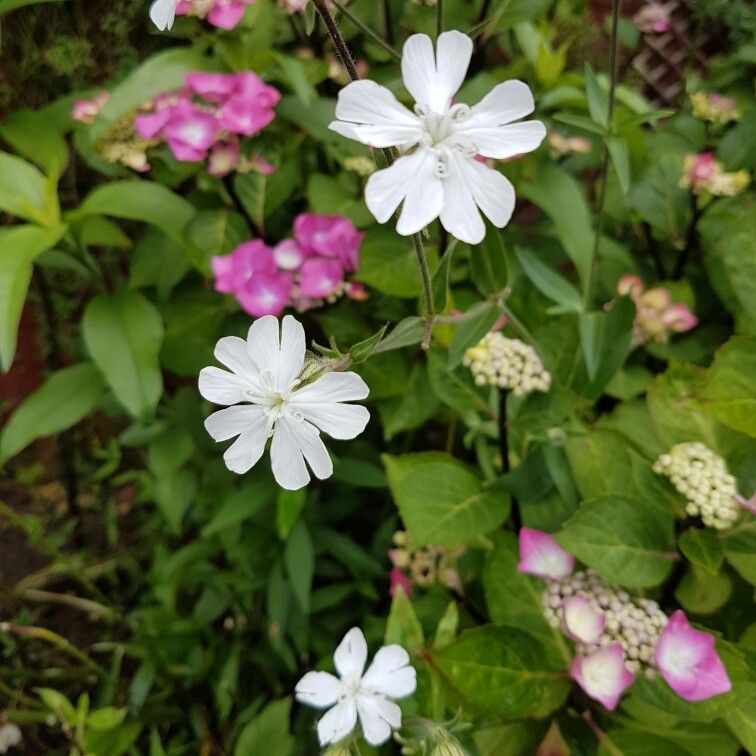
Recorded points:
(293, 349)
(503, 142)
(391, 674)
(351, 655)
(460, 216)
(410, 178)
(503, 104)
(371, 114)
(313, 448)
(246, 451)
(232, 352)
(286, 458)
(492, 192)
(263, 345)
(332, 387)
(338, 722)
(319, 689)
(221, 387)
(378, 716)
(342, 421)
(434, 80)
(163, 13)
(233, 421)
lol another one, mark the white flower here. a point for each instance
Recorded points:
(438, 175)
(367, 696)
(10, 736)
(264, 373)
(163, 13)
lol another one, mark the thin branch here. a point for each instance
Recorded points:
(428, 313)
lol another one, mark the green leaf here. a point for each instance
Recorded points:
(635, 743)
(703, 548)
(211, 233)
(295, 75)
(24, 192)
(6, 6)
(440, 500)
(560, 196)
(621, 160)
(403, 627)
(729, 389)
(591, 325)
(268, 732)
(702, 593)
(549, 282)
(289, 505)
(488, 262)
(299, 560)
(598, 101)
(65, 398)
(123, 334)
(643, 118)
(19, 246)
(455, 388)
(440, 281)
(471, 329)
(33, 136)
(501, 670)
(362, 350)
(250, 187)
(407, 332)
(143, 201)
(626, 540)
(58, 704)
(239, 506)
(740, 550)
(581, 122)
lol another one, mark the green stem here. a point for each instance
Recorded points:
(588, 290)
(367, 31)
(428, 313)
(518, 325)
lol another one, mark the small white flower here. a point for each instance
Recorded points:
(265, 375)
(163, 13)
(10, 736)
(367, 696)
(438, 175)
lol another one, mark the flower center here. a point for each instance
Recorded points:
(274, 402)
(444, 135)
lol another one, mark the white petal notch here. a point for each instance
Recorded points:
(352, 695)
(163, 13)
(439, 173)
(265, 398)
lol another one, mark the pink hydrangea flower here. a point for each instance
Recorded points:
(233, 271)
(581, 621)
(223, 158)
(320, 277)
(85, 111)
(190, 132)
(330, 236)
(288, 255)
(213, 87)
(225, 14)
(398, 578)
(542, 556)
(265, 293)
(688, 662)
(603, 674)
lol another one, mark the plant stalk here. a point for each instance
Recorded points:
(428, 313)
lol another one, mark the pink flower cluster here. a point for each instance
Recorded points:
(85, 111)
(595, 615)
(704, 173)
(301, 272)
(225, 14)
(656, 317)
(205, 119)
(653, 18)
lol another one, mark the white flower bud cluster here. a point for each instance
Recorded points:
(508, 364)
(428, 564)
(635, 623)
(701, 477)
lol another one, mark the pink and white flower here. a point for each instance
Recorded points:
(265, 398)
(85, 111)
(265, 293)
(354, 695)
(438, 175)
(190, 132)
(542, 556)
(581, 621)
(603, 674)
(688, 662)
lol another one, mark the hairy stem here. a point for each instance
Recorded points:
(504, 452)
(428, 313)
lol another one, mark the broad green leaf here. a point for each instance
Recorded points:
(560, 196)
(289, 505)
(328, 195)
(268, 732)
(157, 260)
(143, 201)
(19, 246)
(65, 398)
(24, 192)
(740, 550)
(471, 329)
(58, 704)
(598, 101)
(455, 388)
(635, 743)
(600, 462)
(123, 334)
(488, 262)
(703, 548)
(699, 592)
(440, 500)
(239, 506)
(549, 282)
(299, 561)
(407, 332)
(503, 670)
(737, 148)
(403, 627)
(728, 392)
(620, 160)
(33, 136)
(250, 188)
(626, 540)
(211, 233)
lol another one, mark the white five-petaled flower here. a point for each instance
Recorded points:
(163, 13)
(438, 174)
(272, 401)
(353, 694)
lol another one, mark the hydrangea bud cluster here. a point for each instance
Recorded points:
(303, 272)
(655, 314)
(562, 145)
(507, 363)
(714, 107)
(701, 477)
(634, 623)
(703, 173)
(225, 14)
(207, 118)
(423, 566)
(653, 18)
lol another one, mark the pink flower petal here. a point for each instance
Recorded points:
(581, 621)
(688, 662)
(234, 270)
(265, 293)
(320, 277)
(223, 159)
(288, 255)
(330, 236)
(399, 579)
(541, 555)
(226, 14)
(603, 674)
(214, 87)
